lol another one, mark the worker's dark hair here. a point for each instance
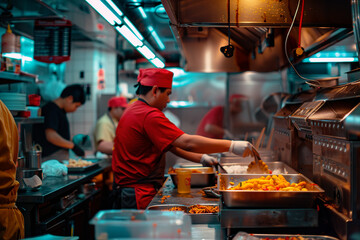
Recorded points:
(76, 91)
(143, 90)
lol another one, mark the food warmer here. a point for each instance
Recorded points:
(285, 134)
(336, 156)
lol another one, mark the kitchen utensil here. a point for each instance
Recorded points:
(222, 168)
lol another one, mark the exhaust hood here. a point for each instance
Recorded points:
(257, 31)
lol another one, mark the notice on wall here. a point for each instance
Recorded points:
(52, 40)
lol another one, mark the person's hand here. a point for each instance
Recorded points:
(78, 150)
(241, 148)
(228, 135)
(208, 161)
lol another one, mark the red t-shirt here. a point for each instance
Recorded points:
(143, 135)
(215, 117)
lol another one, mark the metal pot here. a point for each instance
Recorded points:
(324, 82)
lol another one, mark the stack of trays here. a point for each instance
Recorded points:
(14, 101)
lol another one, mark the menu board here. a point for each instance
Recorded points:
(52, 40)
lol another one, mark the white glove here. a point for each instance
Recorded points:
(228, 135)
(241, 148)
(208, 161)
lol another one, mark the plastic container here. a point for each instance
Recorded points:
(184, 180)
(34, 111)
(140, 224)
(34, 100)
(8, 41)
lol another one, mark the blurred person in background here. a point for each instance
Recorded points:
(144, 135)
(54, 134)
(11, 219)
(105, 128)
(212, 124)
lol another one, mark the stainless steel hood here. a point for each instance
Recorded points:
(257, 31)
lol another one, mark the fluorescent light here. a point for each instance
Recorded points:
(12, 55)
(146, 52)
(321, 60)
(133, 28)
(156, 37)
(129, 35)
(17, 56)
(157, 63)
(117, 10)
(104, 11)
(143, 14)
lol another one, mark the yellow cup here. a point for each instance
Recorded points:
(184, 180)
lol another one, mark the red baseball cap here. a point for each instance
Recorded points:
(117, 102)
(155, 76)
(237, 96)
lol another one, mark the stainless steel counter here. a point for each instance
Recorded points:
(168, 195)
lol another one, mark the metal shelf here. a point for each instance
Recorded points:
(23, 120)
(6, 78)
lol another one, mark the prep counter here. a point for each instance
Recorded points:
(60, 205)
(203, 227)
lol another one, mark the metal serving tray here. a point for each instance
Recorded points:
(205, 178)
(199, 218)
(82, 169)
(306, 237)
(266, 199)
(282, 167)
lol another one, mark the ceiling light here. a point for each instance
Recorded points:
(104, 11)
(146, 52)
(108, 10)
(335, 59)
(142, 12)
(117, 10)
(129, 35)
(157, 62)
(156, 37)
(133, 28)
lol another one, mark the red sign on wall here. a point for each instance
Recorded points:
(52, 40)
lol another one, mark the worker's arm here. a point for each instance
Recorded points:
(199, 144)
(105, 147)
(53, 137)
(191, 156)
(204, 159)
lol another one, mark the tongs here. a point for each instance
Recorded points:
(257, 166)
(219, 164)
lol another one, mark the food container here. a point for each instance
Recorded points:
(246, 236)
(196, 218)
(168, 207)
(266, 199)
(200, 177)
(276, 167)
(29, 175)
(139, 224)
(204, 218)
(34, 100)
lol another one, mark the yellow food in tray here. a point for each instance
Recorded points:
(73, 163)
(270, 183)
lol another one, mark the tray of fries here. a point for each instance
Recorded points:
(80, 165)
(267, 191)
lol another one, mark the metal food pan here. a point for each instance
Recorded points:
(198, 218)
(305, 237)
(204, 218)
(204, 178)
(280, 166)
(266, 199)
(167, 207)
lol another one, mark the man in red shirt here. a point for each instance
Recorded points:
(212, 124)
(144, 135)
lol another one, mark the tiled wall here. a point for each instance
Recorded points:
(87, 59)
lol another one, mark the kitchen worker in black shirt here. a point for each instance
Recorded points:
(54, 134)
